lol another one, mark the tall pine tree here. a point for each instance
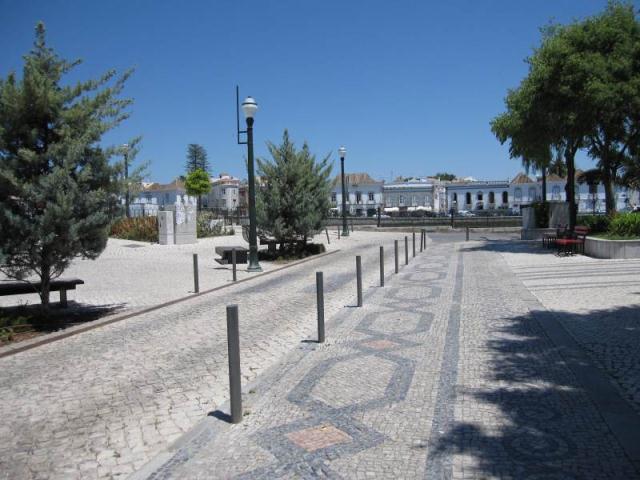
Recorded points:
(57, 187)
(293, 202)
(197, 159)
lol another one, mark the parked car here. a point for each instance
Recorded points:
(466, 213)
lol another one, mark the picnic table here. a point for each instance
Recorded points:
(226, 253)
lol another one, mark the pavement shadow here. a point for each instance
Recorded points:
(509, 246)
(539, 422)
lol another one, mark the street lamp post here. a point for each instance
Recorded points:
(126, 178)
(249, 107)
(345, 230)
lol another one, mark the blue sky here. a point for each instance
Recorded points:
(409, 87)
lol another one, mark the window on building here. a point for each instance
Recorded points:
(505, 197)
(371, 197)
(518, 194)
(532, 193)
(401, 199)
(555, 192)
(468, 198)
(492, 197)
(334, 197)
(479, 196)
(455, 197)
(358, 197)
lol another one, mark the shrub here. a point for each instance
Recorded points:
(541, 210)
(625, 225)
(596, 223)
(143, 229)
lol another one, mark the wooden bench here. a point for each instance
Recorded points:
(20, 288)
(226, 253)
(549, 239)
(574, 243)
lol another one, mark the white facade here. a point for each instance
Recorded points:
(224, 193)
(477, 195)
(364, 195)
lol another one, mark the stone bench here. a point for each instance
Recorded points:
(20, 288)
(225, 253)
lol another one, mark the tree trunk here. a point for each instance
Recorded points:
(570, 187)
(45, 284)
(609, 190)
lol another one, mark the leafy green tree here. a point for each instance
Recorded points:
(197, 159)
(198, 183)
(56, 183)
(607, 57)
(582, 91)
(445, 176)
(294, 199)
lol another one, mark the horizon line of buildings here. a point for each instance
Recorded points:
(403, 196)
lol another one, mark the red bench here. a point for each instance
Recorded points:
(574, 243)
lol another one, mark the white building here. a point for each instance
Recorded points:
(364, 194)
(224, 194)
(414, 196)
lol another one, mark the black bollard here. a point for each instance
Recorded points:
(406, 250)
(338, 233)
(467, 234)
(381, 266)
(320, 301)
(196, 280)
(233, 343)
(359, 279)
(414, 244)
(421, 239)
(233, 262)
(395, 247)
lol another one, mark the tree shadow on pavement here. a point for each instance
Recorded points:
(510, 246)
(531, 417)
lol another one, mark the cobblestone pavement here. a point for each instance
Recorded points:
(102, 403)
(596, 300)
(444, 373)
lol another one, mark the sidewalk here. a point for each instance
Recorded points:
(446, 372)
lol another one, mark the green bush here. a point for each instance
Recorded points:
(143, 229)
(541, 210)
(625, 225)
(595, 223)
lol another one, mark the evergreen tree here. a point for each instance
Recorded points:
(197, 159)
(293, 202)
(56, 183)
(197, 183)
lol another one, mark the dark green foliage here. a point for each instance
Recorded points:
(142, 229)
(582, 91)
(595, 223)
(292, 252)
(56, 184)
(445, 176)
(625, 225)
(541, 210)
(293, 202)
(197, 159)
